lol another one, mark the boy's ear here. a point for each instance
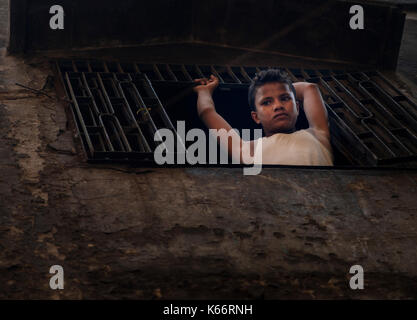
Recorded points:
(255, 117)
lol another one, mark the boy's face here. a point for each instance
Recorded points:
(276, 108)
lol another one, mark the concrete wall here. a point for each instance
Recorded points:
(157, 233)
(191, 233)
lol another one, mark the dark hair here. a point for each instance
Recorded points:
(267, 76)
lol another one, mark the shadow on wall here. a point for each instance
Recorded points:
(313, 28)
(4, 22)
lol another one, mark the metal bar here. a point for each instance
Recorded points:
(245, 77)
(364, 113)
(117, 132)
(139, 101)
(383, 134)
(391, 106)
(174, 78)
(90, 94)
(104, 91)
(187, 75)
(346, 133)
(162, 111)
(77, 109)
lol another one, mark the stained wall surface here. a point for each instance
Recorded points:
(155, 233)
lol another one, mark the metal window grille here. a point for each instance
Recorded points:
(117, 110)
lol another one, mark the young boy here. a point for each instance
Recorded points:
(272, 98)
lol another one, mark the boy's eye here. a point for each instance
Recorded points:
(285, 98)
(266, 102)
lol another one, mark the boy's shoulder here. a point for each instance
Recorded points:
(320, 135)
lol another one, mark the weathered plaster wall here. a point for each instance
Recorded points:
(123, 232)
(145, 233)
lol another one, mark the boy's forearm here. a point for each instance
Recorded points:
(213, 120)
(204, 103)
(208, 114)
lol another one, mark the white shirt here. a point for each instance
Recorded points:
(297, 148)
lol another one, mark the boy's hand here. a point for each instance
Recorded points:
(206, 84)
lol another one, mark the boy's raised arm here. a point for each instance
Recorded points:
(314, 108)
(208, 114)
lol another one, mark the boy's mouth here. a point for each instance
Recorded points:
(281, 115)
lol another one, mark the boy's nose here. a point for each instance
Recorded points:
(278, 106)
